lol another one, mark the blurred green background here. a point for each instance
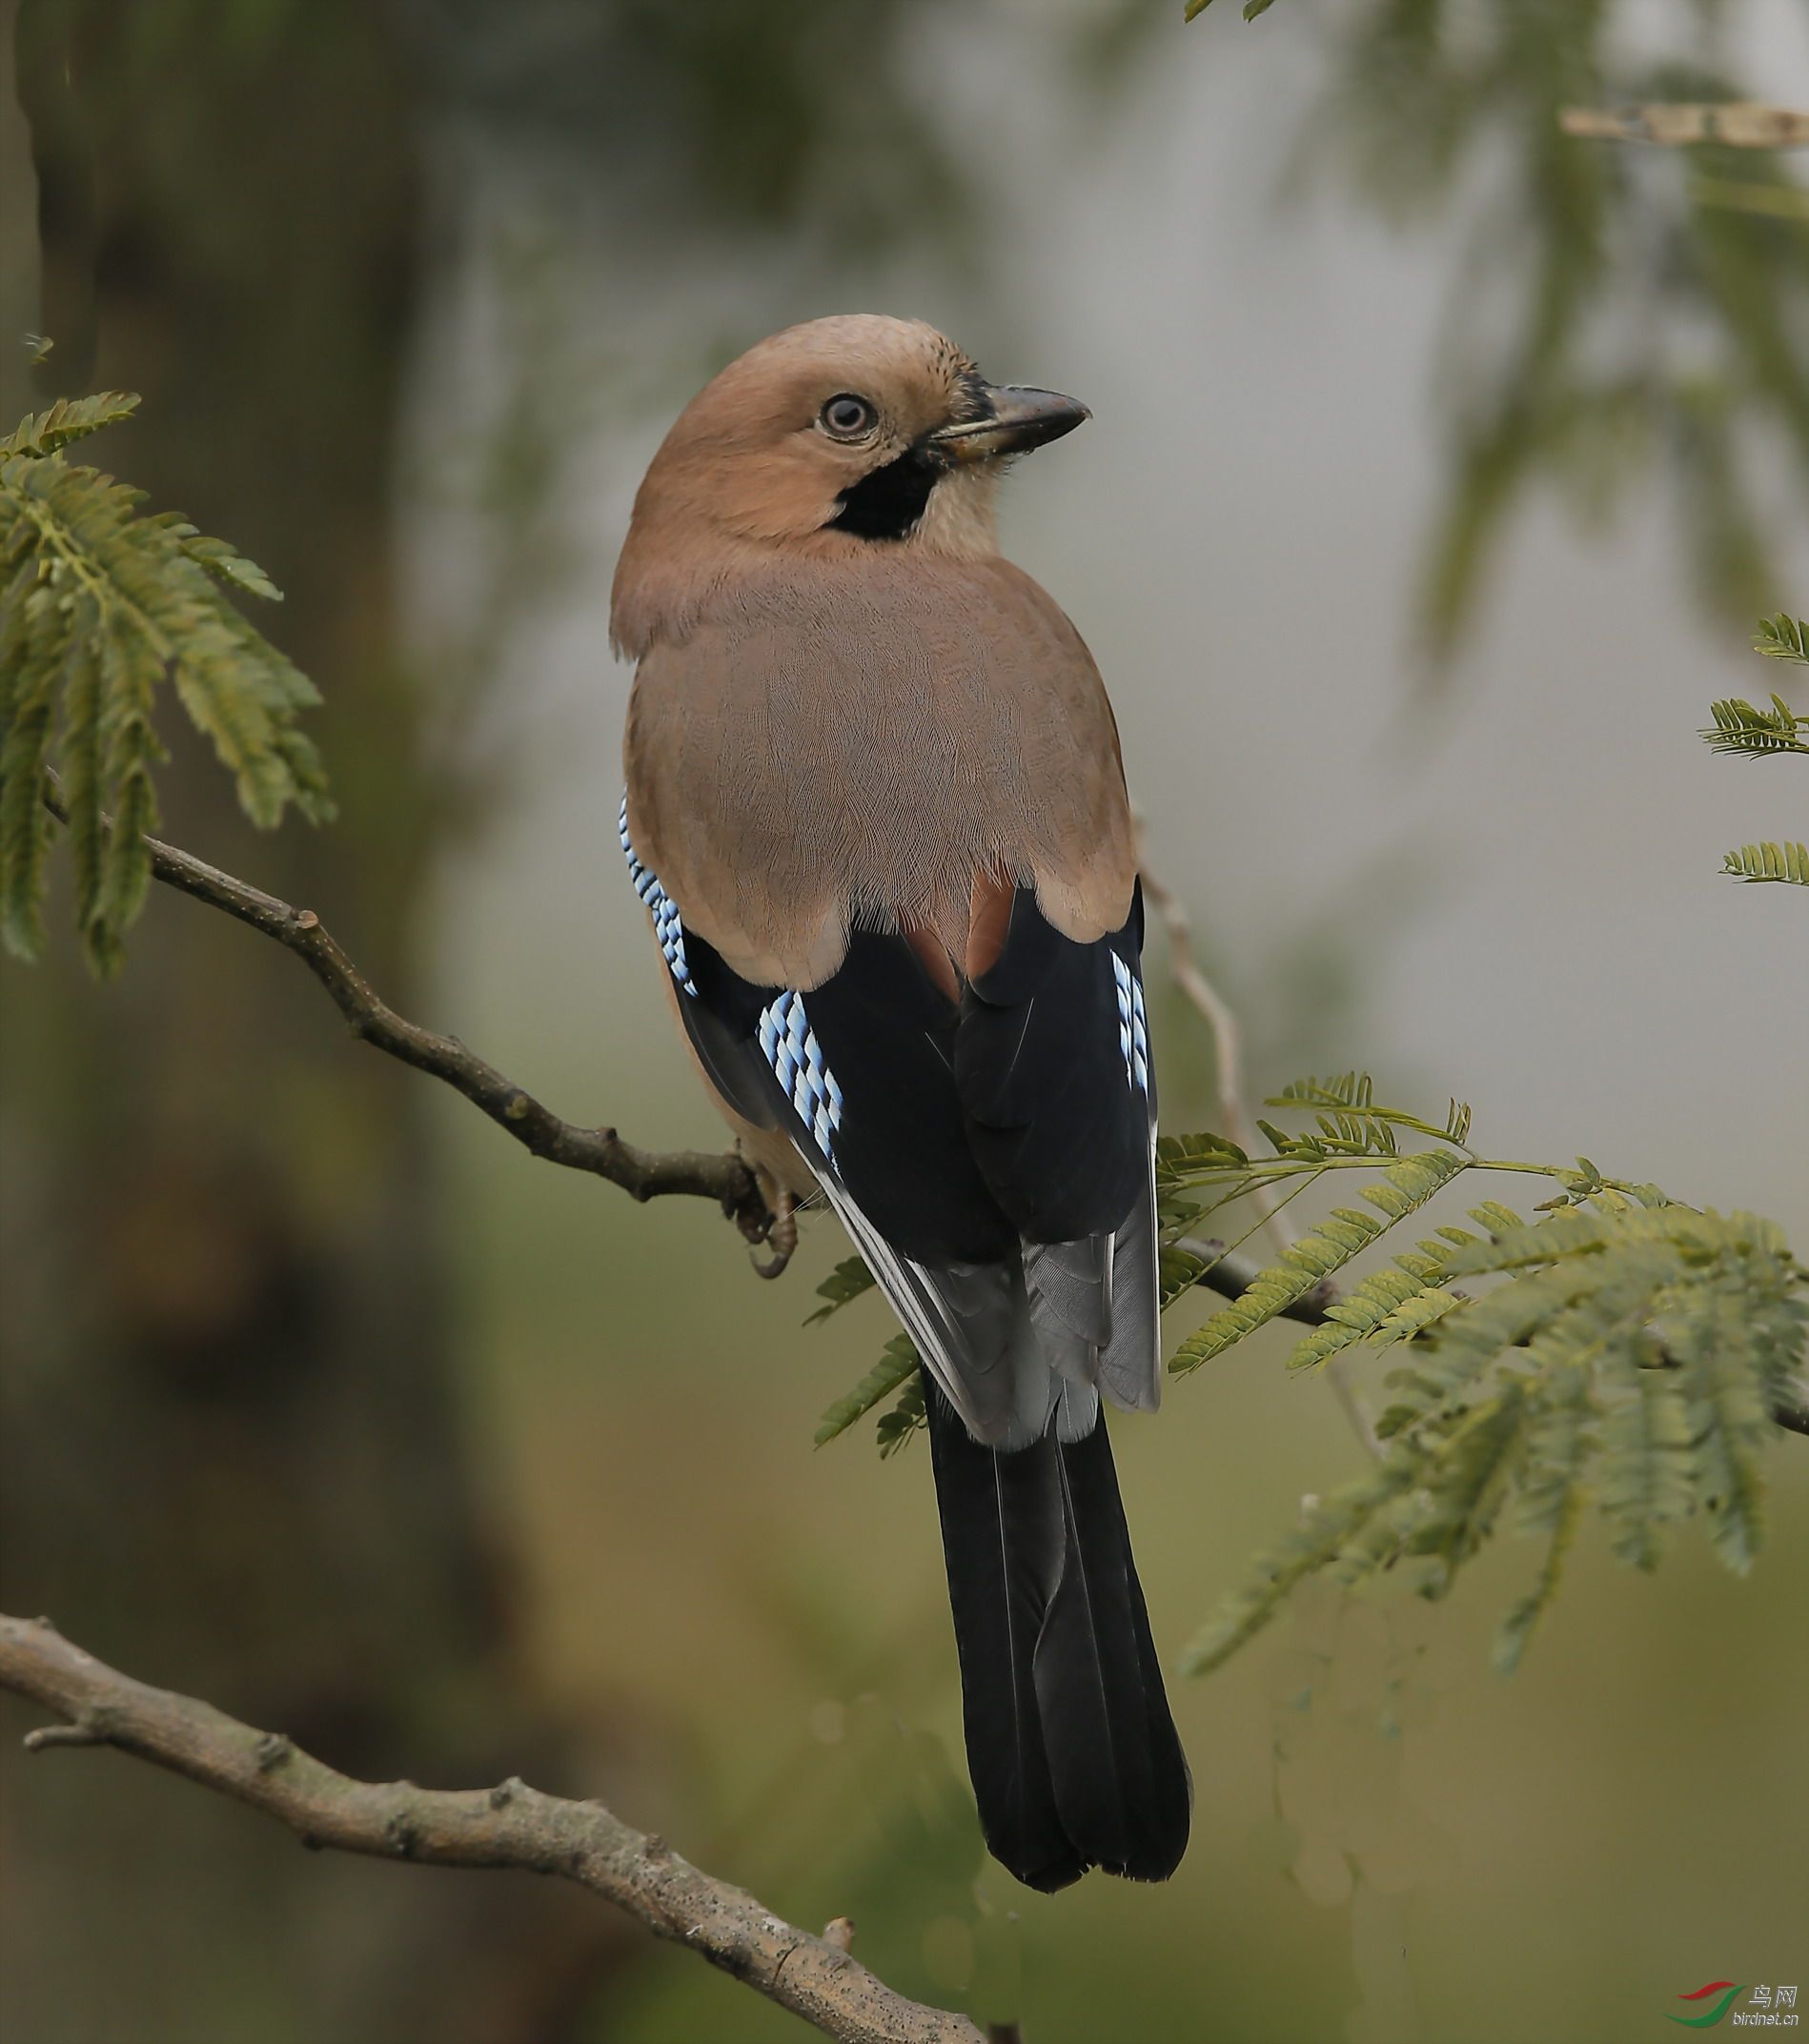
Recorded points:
(1438, 472)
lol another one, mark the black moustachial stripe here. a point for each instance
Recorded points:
(887, 503)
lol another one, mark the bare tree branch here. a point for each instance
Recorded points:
(1736, 124)
(646, 1174)
(508, 1826)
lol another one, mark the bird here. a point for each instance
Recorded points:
(876, 809)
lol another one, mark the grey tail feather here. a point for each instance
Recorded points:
(1131, 1363)
(1013, 1344)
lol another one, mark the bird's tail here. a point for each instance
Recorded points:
(1074, 1757)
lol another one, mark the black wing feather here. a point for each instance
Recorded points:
(1059, 1132)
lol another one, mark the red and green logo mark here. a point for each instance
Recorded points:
(1711, 2016)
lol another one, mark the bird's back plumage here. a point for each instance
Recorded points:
(877, 811)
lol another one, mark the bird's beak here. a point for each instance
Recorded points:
(1017, 420)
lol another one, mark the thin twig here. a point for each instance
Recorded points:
(1736, 124)
(644, 1174)
(508, 1826)
(1228, 1052)
(1235, 1117)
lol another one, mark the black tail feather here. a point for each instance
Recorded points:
(1002, 1540)
(1074, 1757)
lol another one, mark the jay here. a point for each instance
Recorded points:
(877, 812)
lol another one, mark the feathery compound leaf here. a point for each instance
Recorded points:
(1701, 1234)
(81, 754)
(1466, 1483)
(1406, 1184)
(1770, 862)
(68, 419)
(906, 1417)
(847, 1281)
(33, 652)
(897, 1364)
(1631, 1354)
(226, 564)
(1178, 1270)
(1783, 638)
(1740, 727)
(1518, 1628)
(1352, 1089)
(1712, 1334)
(1333, 1531)
(1645, 1479)
(125, 601)
(1182, 1160)
(1387, 1307)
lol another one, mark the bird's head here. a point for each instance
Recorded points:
(831, 437)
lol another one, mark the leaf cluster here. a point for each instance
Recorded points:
(1627, 1357)
(101, 604)
(1746, 732)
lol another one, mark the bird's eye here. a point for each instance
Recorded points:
(848, 416)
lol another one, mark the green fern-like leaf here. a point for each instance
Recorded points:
(100, 604)
(1519, 1626)
(907, 1418)
(34, 640)
(1334, 1530)
(1770, 862)
(1741, 729)
(847, 1282)
(1406, 1184)
(1783, 638)
(1712, 1334)
(1646, 1477)
(897, 1364)
(1387, 1307)
(1182, 1160)
(1179, 1268)
(69, 418)
(1467, 1482)
(1629, 1352)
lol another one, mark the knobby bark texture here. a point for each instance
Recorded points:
(509, 1825)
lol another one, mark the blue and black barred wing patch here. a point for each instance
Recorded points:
(667, 926)
(796, 1059)
(860, 1073)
